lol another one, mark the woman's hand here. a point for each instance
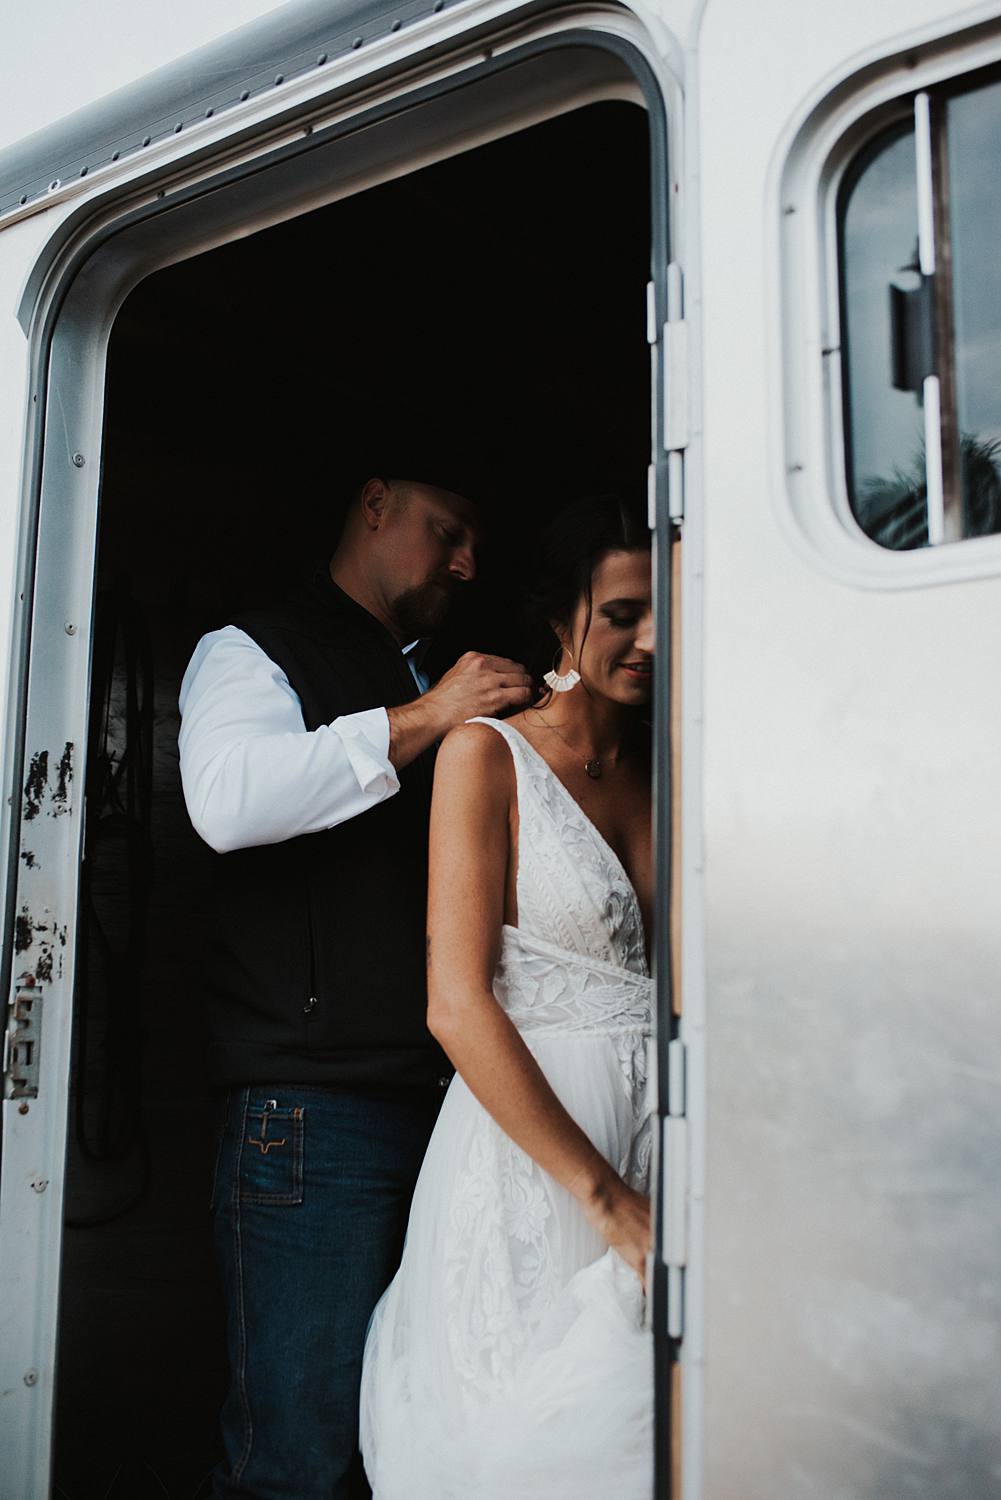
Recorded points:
(622, 1217)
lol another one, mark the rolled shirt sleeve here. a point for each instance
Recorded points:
(251, 771)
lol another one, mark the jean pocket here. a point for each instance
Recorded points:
(271, 1154)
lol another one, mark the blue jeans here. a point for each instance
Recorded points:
(311, 1198)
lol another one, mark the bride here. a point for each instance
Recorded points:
(508, 1359)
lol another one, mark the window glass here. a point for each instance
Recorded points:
(973, 135)
(884, 426)
(921, 352)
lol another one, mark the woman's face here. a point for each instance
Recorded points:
(617, 657)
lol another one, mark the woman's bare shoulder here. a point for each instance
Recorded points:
(474, 751)
(474, 786)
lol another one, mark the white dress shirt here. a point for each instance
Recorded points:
(251, 771)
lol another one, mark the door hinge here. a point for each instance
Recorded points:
(22, 1043)
(669, 372)
(674, 338)
(652, 335)
(651, 312)
(676, 386)
(674, 1160)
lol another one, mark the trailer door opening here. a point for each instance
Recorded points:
(497, 298)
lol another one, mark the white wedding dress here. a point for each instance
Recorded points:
(508, 1359)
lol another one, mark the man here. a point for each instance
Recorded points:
(306, 743)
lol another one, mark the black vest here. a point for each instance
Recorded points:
(319, 975)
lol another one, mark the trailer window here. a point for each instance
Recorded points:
(919, 222)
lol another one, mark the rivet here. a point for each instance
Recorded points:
(209, 113)
(321, 59)
(70, 629)
(39, 1184)
(178, 127)
(307, 130)
(439, 5)
(53, 184)
(78, 460)
(84, 171)
(115, 155)
(396, 26)
(31, 1377)
(24, 197)
(147, 139)
(244, 96)
(279, 78)
(357, 42)
(162, 193)
(22, 1109)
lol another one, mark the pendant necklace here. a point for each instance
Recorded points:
(593, 766)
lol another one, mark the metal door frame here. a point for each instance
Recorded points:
(70, 303)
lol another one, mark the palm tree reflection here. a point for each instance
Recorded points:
(893, 509)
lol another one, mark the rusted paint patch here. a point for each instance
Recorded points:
(64, 781)
(25, 928)
(34, 787)
(43, 968)
(28, 855)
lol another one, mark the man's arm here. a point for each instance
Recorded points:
(253, 774)
(251, 771)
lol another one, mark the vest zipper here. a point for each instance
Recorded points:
(311, 1000)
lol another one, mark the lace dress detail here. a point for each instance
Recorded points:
(508, 1359)
(573, 892)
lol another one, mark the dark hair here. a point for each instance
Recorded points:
(571, 548)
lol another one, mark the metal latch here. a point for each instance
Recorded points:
(22, 1049)
(912, 334)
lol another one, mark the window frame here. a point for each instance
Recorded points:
(820, 147)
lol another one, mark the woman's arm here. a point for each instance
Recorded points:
(474, 793)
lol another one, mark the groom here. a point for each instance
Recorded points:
(307, 742)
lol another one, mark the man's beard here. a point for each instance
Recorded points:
(420, 611)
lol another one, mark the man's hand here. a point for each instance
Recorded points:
(476, 686)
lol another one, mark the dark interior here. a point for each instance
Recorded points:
(491, 307)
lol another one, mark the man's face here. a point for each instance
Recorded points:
(427, 552)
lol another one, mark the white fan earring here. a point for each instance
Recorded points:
(555, 681)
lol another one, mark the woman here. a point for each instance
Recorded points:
(508, 1359)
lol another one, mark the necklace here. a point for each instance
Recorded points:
(593, 766)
